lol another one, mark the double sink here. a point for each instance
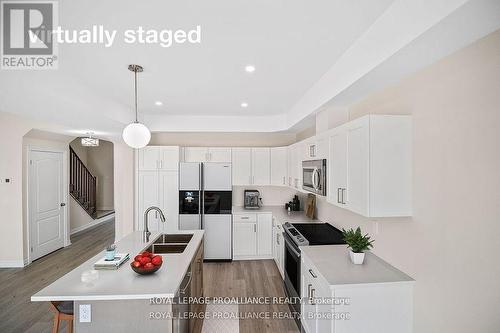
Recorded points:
(169, 243)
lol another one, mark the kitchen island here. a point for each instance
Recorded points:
(122, 300)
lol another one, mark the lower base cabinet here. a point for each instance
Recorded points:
(278, 246)
(252, 236)
(353, 308)
(196, 323)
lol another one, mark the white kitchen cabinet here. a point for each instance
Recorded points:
(207, 154)
(219, 154)
(264, 234)
(252, 236)
(337, 166)
(169, 198)
(261, 166)
(373, 298)
(242, 166)
(244, 239)
(293, 166)
(149, 195)
(370, 166)
(195, 154)
(278, 246)
(151, 158)
(279, 166)
(157, 185)
(148, 158)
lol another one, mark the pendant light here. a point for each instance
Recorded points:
(136, 135)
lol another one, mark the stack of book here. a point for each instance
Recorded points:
(119, 259)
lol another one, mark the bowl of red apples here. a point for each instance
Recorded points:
(146, 263)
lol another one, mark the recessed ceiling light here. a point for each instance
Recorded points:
(244, 104)
(250, 68)
(158, 103)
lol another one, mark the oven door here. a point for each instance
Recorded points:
(292, 273)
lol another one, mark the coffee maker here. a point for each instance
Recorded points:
(251, 199)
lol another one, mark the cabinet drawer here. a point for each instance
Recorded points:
(245, 218)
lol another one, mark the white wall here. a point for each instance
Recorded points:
(451, 244)
(124, 181)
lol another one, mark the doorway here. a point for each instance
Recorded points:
(46, 202)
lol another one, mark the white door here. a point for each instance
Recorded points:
(149, 158)
(217, 177)
(217, 236)
(264, 234)
(195, 154)
(169, 199)
(219, 154)
(279, 166)
(337, 166)
(189, 222)
(149, 195)
(46, 202)
(242, 166)
(245, 239)
(169, 158)
(261, 166)
(189, 176)
(358, 142)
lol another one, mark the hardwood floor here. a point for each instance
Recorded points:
(17, 312)
(249, 278)
(235, 279)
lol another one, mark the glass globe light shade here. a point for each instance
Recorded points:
(136, 135)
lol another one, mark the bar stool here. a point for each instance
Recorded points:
(62, 311)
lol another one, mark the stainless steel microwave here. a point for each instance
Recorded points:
(314, 176)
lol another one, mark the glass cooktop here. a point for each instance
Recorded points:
(319, 233)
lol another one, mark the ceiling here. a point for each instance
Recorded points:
(305, 54)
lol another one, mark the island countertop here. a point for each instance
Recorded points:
(124, 283)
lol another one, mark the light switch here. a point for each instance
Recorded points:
(85, 313)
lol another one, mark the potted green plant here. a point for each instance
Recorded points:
(357, 243)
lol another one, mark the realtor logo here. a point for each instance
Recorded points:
(27, 34)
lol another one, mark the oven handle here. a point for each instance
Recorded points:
(291, 247)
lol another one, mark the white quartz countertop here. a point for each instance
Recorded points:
(124, 283)
(334, 264)
(279, 212)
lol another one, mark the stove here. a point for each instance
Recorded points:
(313, 233)
(303, 234)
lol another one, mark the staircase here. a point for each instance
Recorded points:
(82, 185)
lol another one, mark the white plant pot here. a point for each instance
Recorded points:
(357, 258)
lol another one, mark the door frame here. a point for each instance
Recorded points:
(29, 215)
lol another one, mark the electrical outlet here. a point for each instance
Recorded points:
(85, 313)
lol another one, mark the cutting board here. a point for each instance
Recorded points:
(310, 205)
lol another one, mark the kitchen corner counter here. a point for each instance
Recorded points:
(279, 212)
(334, 264)
(124, 283)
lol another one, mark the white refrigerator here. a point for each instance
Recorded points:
(205, 202)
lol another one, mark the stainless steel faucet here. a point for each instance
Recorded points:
(146, 233)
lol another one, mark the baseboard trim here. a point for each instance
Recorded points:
(263, 257)
(11, 263)
(94, 223)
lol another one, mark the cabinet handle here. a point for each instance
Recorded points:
(343, 191)
(312, 273)
(312, 296)
(278, 239)
(338, 195)
(283, 180)
(309, 286)
(254, 228)
(245, 217)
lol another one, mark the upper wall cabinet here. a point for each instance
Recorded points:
(165, 158)
(207, 154)
(242, 166)
(261, 166)
(251, 166)
(370, 166)
(279, 166)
